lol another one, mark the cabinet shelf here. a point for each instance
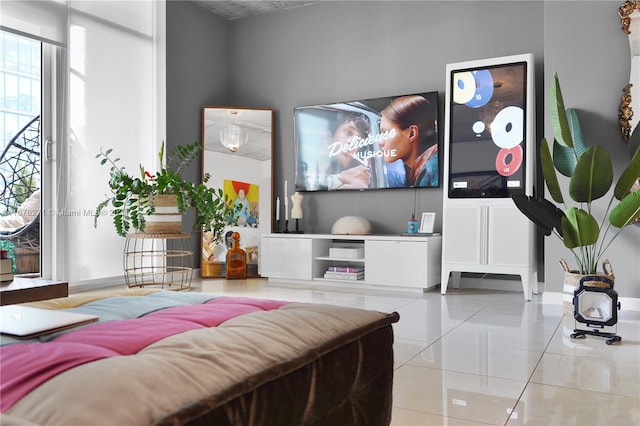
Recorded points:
(340, 259)
(337, 280)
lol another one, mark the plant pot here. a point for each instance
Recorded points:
(167, 219)
(572, 282)
(27, 260)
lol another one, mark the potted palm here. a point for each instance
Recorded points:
(134, 199)
(590, 172)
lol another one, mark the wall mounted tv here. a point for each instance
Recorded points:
(490, 121)
(380, 143)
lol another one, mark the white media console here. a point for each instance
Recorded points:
(387, 260)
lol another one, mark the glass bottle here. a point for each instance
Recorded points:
(236, 259)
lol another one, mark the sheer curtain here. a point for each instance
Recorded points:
(43, 20)
(116, 79)
(111, 73)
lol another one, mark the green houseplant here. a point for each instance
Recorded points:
(132, 198)
(590, 172)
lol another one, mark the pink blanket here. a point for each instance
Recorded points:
(25, 366)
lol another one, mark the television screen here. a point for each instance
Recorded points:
(488, 119)
(379, 143)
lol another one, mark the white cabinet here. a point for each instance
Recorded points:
(488, 237)
(466, 245)
(286, 258)
(405, 263)
(391, 261)
(510, 237)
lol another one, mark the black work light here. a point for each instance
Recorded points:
(595, 304)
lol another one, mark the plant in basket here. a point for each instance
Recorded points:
(134, 199)
(590, 172)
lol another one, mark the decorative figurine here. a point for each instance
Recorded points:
(296, 211)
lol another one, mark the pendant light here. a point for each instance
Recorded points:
(232, 136)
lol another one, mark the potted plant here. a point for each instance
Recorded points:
(591, 175)
(135, 198)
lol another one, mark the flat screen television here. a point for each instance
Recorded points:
(490, 120)
(379, 143)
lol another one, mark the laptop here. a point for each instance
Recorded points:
(24, 322)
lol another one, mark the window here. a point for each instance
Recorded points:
(20, 83)
(20, 119)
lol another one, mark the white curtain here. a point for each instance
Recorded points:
(113, 58)
(43, 20)
(116, 84)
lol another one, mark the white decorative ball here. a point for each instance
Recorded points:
(351, 225)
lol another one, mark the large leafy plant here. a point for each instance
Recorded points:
(590, 171)
(132, 198)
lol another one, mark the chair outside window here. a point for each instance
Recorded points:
(20, 206)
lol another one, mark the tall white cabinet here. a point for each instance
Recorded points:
(482, 229)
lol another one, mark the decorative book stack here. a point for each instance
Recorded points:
(345, 273)
(5, 267)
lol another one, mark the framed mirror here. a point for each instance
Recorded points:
(629, 13)
(237, 153)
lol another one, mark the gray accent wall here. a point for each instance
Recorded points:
(337, 51)
(585, 45)
(198, 74)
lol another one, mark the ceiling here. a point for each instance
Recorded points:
(235, 9)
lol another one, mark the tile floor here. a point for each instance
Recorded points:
(483, 357)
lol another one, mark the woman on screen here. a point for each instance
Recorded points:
(346, 170)
(411, 147)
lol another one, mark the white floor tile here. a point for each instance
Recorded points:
(402, 417)
(459, 395)
(471, 357)
(405, 349)
(500, 336)
(592, 374)
(627, 351)
(553, 405)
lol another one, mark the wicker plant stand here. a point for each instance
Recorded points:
(158, 260)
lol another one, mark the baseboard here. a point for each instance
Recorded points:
(497, 282)
(488, 283)
(97, 284)
(105, 283)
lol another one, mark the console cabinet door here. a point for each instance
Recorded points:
(396, 263)
(464, 236)
(511, 237)
(289, 258)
